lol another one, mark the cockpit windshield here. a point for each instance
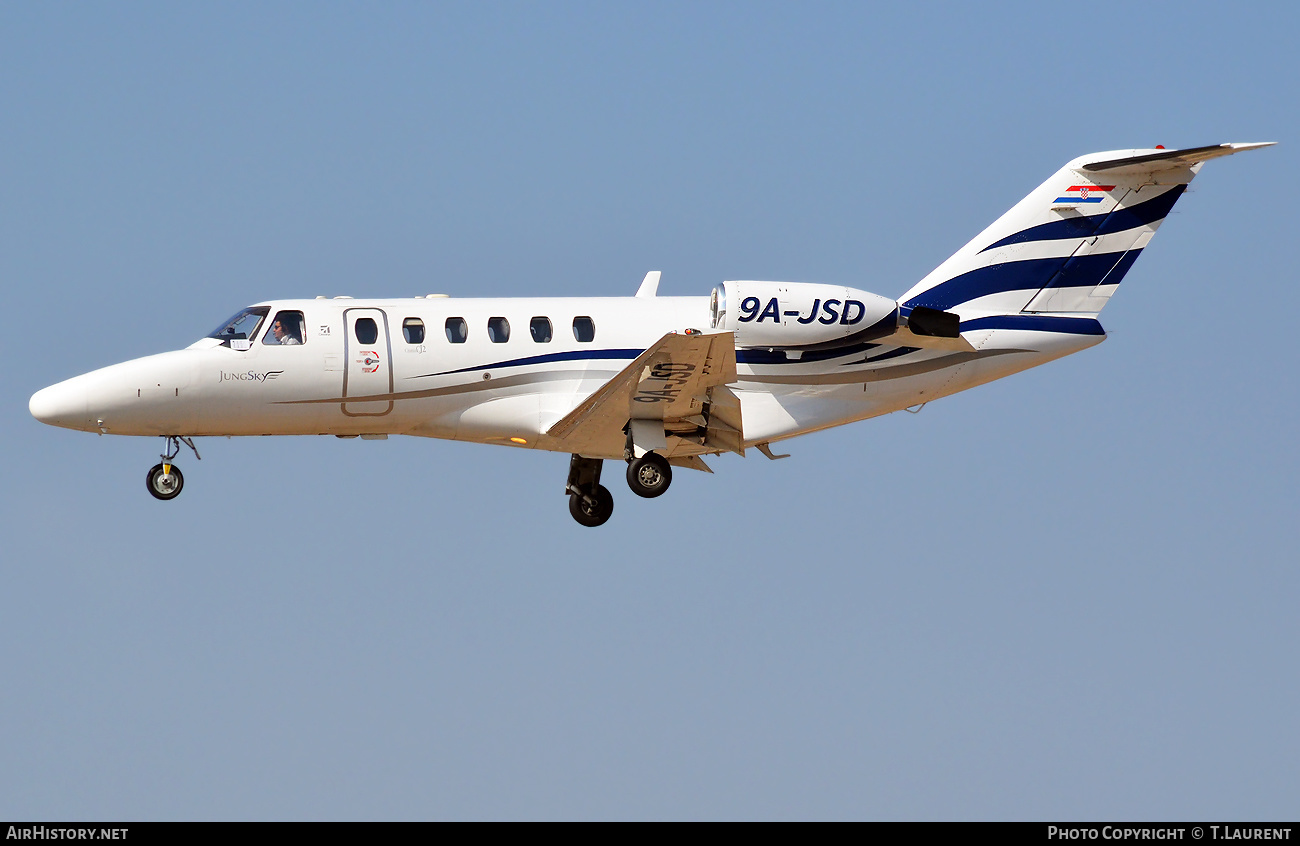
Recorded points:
(241, 327)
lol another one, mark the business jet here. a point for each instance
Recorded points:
(656, 382)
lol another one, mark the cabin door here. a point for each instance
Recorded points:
(368, 357)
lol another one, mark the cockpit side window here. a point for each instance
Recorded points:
(286, 329)
(242, 327)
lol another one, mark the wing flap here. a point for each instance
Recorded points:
(694, 462)
(673, 387)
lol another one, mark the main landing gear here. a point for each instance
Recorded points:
(165, 480)
(649, 476)
(591, 503)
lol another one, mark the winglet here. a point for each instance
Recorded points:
(649, 285)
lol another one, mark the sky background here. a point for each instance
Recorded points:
(1070, 594)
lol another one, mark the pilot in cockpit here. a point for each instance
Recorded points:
(283, 331)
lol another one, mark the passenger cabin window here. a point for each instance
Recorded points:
(242, 327)
(286, 330)
(413, 330)
(584, 329)
(366, 330)
(498, 330)
(457, 330)
(541, 329)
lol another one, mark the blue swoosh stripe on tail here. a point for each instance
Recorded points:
(1028, 275)
(1118, 220)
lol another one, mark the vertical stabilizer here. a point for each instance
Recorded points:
(1065, 248)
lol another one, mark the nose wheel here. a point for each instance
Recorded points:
(593, 507)
(590, 502)
(165, 480)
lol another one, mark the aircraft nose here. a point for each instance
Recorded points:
(63, 404)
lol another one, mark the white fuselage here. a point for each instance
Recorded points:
(510, 391)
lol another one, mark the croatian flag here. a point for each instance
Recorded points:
(1084, 194)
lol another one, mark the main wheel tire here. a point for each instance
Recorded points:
(649, 476)
(594, 511)
(164, 486)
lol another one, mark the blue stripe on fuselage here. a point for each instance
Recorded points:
(749, 356)
(1036, 323)
(777, 355)
(576, 355)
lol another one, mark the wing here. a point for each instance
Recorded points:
(672, 399)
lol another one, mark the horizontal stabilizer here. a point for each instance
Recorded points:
(1169, 159)
(905, 337)
(930, 329)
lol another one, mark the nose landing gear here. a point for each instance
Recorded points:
(590, 503)
(592, 508)
(164, 481)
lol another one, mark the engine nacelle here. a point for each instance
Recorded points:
(801, 315)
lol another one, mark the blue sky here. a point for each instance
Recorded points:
(1068, 594)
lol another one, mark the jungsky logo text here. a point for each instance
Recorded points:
(250, 376)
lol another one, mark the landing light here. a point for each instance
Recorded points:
(518, 441)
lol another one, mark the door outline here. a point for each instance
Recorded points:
(350, 348)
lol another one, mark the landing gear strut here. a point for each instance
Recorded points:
(649, 476)
(589, 501)
(165, 480)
